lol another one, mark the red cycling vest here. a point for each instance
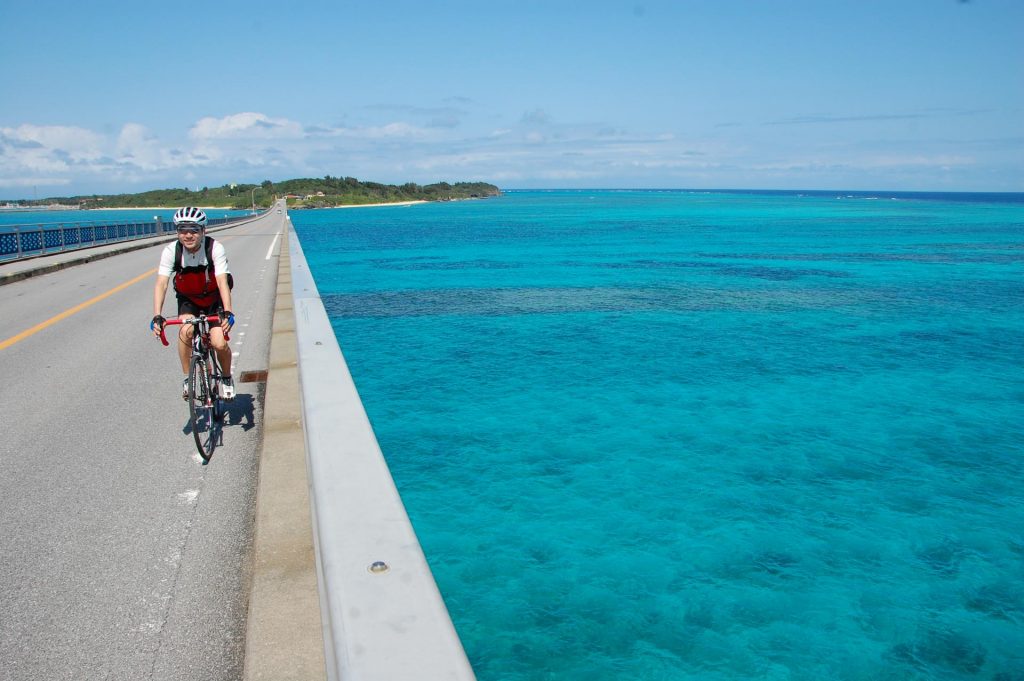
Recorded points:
(198, 284)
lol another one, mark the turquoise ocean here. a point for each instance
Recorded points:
(697, 435)
(701, 435)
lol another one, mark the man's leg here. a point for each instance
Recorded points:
(185, 332)
(221, 347)
(223, 350)
(185, 342)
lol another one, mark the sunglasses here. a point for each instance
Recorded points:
(189, 230)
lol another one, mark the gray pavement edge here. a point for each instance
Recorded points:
(284, 637)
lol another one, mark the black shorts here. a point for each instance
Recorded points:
(186, 306)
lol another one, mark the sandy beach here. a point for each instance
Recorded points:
(374, 205)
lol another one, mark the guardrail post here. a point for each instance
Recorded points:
(42, 239)
(62, 246)
(17, 237)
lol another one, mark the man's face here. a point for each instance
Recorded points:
(190, 237)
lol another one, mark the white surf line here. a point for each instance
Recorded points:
(272, 244)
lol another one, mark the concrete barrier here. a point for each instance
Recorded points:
(383, 616)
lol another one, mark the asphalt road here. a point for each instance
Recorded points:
(121, 556)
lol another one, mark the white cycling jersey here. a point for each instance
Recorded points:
(197, 259)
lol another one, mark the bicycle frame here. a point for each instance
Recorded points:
(205, 408)
(200, 332)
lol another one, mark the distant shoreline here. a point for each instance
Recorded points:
(165, 208)
(347, 205)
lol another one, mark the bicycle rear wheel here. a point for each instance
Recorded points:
(200, 407)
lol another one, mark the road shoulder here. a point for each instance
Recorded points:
(284, 638)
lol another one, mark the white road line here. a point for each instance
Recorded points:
(272, 244)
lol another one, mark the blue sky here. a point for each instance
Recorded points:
(782, 94)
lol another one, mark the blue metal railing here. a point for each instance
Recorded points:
(27, 241)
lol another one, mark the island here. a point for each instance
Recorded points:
(325, 192)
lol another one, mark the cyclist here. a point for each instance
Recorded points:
(202, 282)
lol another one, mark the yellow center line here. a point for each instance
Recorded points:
(67, 313)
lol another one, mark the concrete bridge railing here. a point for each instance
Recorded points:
(383, 616)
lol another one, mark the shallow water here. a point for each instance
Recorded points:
(670, 435)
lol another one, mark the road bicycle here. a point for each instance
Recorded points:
(205, 406)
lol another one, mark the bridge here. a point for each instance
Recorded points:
(288, 556)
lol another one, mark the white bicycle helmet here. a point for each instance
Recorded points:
(190, 215)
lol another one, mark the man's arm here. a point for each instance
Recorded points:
(225, 297)
(220, 264)
(159, 293)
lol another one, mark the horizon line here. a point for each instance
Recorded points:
(755, 189)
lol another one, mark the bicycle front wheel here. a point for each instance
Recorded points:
(215, 381)
(200, 407)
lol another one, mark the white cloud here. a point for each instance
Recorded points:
(391, 131)
(47, 155)
(78, 143)
(530, 149)
(59, 156)
(137, 146)
(36, 181)
(245, 125)
(134, 136)
(397, 130)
